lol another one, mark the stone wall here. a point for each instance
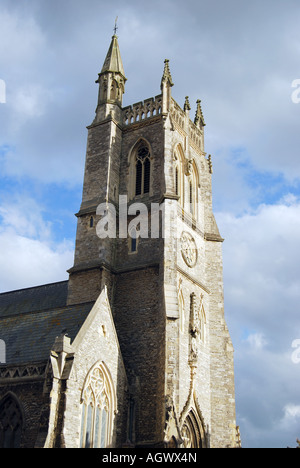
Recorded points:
(33, 402)
(140, 322)
(96, 342)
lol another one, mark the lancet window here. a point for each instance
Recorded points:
(179, 174)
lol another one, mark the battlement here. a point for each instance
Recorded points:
(142, 110)
(152, 107)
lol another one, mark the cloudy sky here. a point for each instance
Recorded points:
(241, 59)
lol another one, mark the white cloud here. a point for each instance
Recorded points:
(21, 39)
(257, 341)
(262, 293)
(30, 101)
(29, 256)
(244, 80)
(24, 216)
(261, 251)
(26, 262)
(292, 412)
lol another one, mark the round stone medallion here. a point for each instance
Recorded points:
(188, 249)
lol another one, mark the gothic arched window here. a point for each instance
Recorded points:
(11, 423)
(178, 173)
(193, 188)
(143, 167)
(192, 432)
(98, 407)
(114, 90)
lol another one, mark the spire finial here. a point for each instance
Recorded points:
(187, 106)
(116, 27)
(199, 119)
(167, 74)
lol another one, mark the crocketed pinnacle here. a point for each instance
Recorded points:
(167, 74)
(187, 106)
(199, 119)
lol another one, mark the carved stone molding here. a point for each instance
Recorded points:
(32, 371)
(188, 249)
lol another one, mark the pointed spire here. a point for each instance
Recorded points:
(111, 82)
(199, 119)
(167, 78)
(113, 61)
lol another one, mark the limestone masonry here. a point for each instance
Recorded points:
(133, 350)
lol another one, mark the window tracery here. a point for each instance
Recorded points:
(143, 166)
(97, 409)
(190, 432)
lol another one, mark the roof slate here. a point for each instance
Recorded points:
(30, 337)
(31, 319)
(47, 296)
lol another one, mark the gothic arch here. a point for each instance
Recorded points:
(192, 426)
(11, 421)
(193, 187)
(140, 160)
(114, 90)
(179, 162)
(98, 407)
(192, 431)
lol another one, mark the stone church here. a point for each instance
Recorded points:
(133, 350)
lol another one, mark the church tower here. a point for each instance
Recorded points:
(146, 231)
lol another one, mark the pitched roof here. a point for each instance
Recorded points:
(28, 326)
(47, 296)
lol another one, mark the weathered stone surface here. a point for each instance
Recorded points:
(157, 328)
